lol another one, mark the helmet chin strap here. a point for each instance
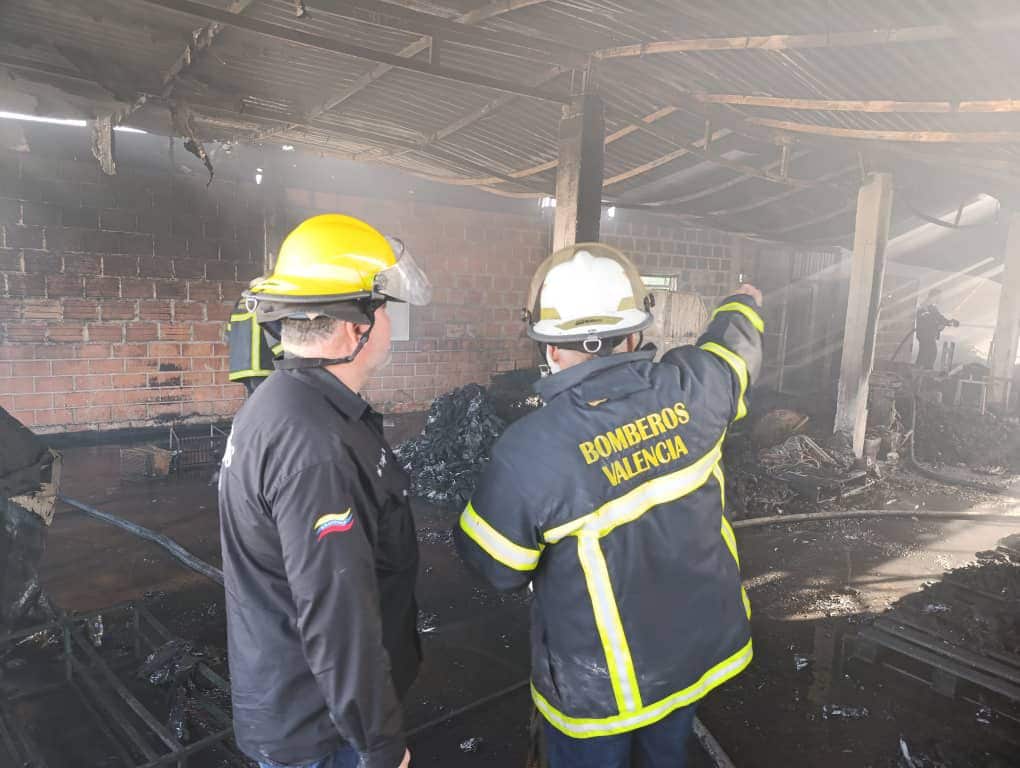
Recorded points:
(600, 350)
(297, 363)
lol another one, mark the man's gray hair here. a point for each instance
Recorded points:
(305, 333)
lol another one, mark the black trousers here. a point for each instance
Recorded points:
(927, 351)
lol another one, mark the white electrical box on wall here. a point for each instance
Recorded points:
(400, 320)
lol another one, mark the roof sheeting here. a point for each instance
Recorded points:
(251, 84)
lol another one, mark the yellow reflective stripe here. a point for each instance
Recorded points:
(730, 539)
(584, 728)
(736, 362)
(727, 530)
(607, 619)
(746, 311)
(256, 343)
(635, 503)
(251, 372)
(277, 350)
(237, 318)
(498, 546)
(717, 473)
(727, 533)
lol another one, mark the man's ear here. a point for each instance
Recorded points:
(553, 352)
(633, 341)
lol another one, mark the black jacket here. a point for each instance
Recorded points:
(930, 323)
(611, 500)
(320, 560)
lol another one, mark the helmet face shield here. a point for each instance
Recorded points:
(404, 281)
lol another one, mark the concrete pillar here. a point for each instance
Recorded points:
(579, 174)
(874, 206)
(1007, 325)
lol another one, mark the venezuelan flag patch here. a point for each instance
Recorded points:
(336, 523)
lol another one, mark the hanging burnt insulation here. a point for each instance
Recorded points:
(102, 144)
(183, 125)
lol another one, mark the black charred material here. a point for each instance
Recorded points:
(178, 717)
(22, 542)
(23, 457)
(170, 663)
(446, 459)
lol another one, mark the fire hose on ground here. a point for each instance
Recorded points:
(707, 741)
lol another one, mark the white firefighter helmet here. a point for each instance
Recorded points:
(584, 293)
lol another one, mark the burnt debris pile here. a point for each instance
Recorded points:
(446, 459)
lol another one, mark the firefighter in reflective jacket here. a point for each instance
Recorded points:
(610, 501)
(252, 349)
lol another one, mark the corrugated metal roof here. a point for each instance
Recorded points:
(252, 86)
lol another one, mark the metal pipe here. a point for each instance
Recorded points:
(171, 546)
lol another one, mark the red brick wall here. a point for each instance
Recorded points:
(480, 264)
(114, 290)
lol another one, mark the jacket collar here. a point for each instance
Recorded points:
(560, 382)
(340, 396)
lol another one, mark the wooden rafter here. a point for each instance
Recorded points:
(322, 43)
(888, 36)
(867, 134)
(473, 117)
(477, 16)
(764, 201)
(523, 173)
(658, 162)
(869, 105)
(394, 16)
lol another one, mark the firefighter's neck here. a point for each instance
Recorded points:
(560, 359)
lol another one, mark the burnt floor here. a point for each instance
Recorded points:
(810, 585)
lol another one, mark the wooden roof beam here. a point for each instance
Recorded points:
(868, 105)
(476, 16)
(322, 43)
(861, 134)
(888, 36)
(550, 164)
(394, 16)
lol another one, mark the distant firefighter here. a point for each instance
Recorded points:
(928, 327)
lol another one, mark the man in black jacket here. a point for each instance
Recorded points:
(610, 501)
(319, 548)
(929, 326)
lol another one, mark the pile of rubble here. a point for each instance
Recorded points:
(446, 459)
(791, 476)
(981, 441)
(972, 607)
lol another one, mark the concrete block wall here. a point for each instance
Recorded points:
(114, 291)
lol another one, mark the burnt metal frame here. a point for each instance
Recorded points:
(194, 451)
(112, 703)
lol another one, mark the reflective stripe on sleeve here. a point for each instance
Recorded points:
(736, 362)
(607, 619)
(728, 536)
(498, 546)
(746, 311)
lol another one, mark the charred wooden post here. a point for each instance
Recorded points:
(579, 174)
